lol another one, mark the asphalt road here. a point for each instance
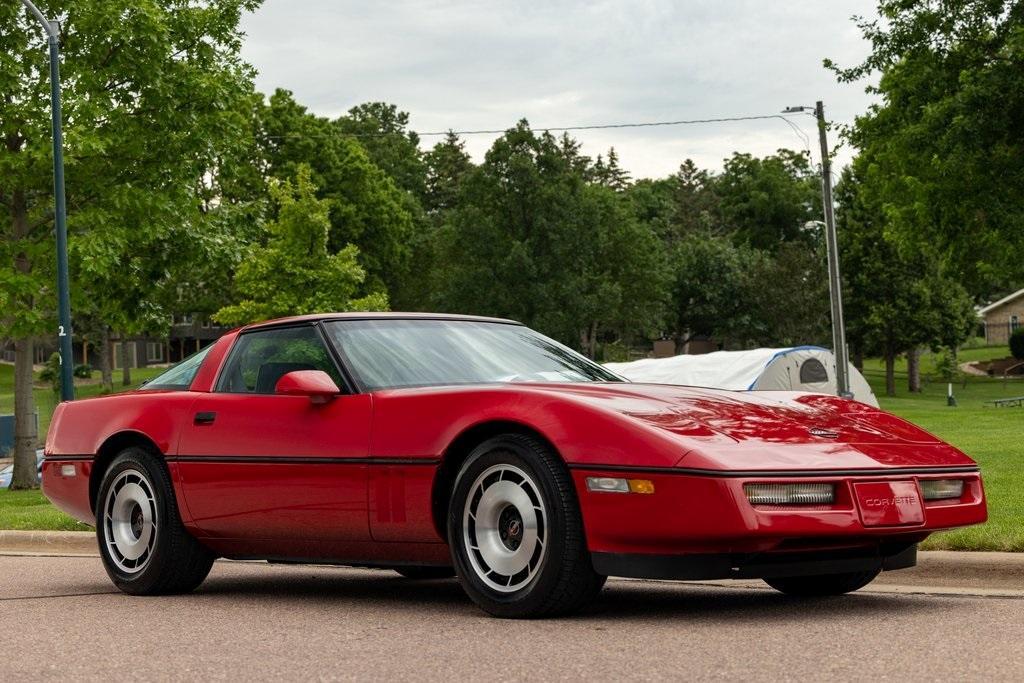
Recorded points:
(251, 620)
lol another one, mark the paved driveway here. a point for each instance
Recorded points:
(252, 620)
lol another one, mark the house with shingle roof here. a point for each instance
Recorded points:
(1002, 317)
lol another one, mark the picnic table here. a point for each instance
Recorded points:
(1015, 401)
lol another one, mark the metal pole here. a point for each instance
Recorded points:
(64, 334)
(834, 282)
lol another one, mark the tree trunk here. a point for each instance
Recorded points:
(858, 359)
(890, 373)
(126, 371)
(681, 341)
(914, 371)
(106, 372)
(25, 427)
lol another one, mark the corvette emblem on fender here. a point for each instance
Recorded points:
(823, 433)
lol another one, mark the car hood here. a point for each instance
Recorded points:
(763, 416)
(768, 430)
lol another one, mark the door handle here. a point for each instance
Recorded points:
(204, 418)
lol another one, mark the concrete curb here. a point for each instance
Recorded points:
(942, 568)
(48, 543)
(990, 570)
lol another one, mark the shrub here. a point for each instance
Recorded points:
(946, 366)
(974, 343)
(51, 372)
(1017, 343)
(83, 371)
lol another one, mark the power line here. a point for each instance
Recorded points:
(797, 130)
(605, 126)
(541, 129)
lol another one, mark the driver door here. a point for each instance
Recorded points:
(263, 466)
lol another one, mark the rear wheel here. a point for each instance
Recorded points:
(145, 547)
(824, 584)
(425, 573)
(516, 532)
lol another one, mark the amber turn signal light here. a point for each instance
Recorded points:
(616, 485)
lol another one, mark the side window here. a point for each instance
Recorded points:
(181, 375)
(259, 359)
(812, 372)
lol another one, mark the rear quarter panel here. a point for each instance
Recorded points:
(81, 427)
(79, 430)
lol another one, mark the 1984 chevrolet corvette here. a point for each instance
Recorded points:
(440, 445)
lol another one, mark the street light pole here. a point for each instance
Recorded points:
(832, 247)
(64, 335)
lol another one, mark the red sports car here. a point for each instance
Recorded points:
(438, 444)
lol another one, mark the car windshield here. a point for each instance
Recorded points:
(387, 354)
(181, 375)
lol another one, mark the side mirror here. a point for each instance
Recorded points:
(316, 384)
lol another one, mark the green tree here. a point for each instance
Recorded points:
(710, 289)
(531, 239)
(765, 202)
(609, 173)
(896, 300)
(946, 135)
(365, 207)
(447, 166)
(149, 93)
(787, 296)
(383, 131)
(296, 273)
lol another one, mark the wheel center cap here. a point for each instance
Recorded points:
(137, 520)
(510, 528)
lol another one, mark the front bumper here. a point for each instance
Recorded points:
(708, 513)
(702, 567)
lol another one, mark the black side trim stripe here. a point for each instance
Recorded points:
(299, 460)
(700, 472)
(68, 458)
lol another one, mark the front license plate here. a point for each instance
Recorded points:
(889, 503)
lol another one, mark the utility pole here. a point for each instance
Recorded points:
(832, 246)
(64, 335)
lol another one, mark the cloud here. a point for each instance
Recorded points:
(484, 65)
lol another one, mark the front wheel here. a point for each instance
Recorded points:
(145, 547)
(516, 532)
(822, 585)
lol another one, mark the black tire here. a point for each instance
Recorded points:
(173, 561)
(559, 577)
(823, 584)
(425, 573)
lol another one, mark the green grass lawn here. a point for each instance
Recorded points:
(31, 510)
(992, 436)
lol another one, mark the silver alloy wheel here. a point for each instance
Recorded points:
(130, 521)
(504, 528)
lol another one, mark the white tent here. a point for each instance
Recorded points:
(801, 368)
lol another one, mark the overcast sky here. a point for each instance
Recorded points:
(473, 65)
